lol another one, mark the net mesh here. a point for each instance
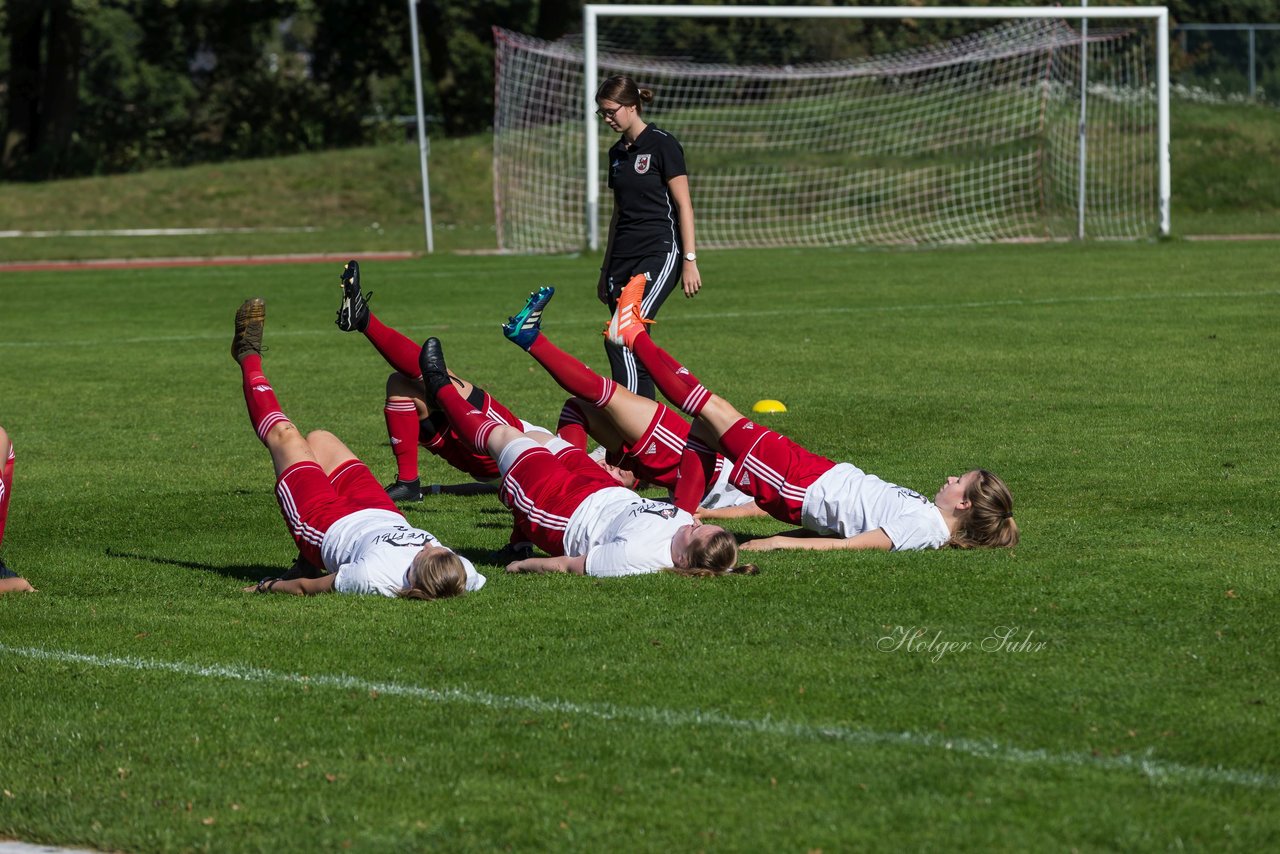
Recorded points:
(970, 139)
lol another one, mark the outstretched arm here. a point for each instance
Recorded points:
(294, 586)
(876, 539)
(738, 511)
(17, 584)
(602, 287)
(572, 565)
(689, 275)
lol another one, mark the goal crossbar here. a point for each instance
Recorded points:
(592, 12)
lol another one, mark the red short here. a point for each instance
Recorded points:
(544, 488)
(772, 468)
(655, 458)
(311, 502)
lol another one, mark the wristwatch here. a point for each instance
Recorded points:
(690, 256)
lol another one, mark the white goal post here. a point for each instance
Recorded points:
(977, 139)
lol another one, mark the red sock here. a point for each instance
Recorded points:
(672, 378)
(402, 429)
(573, 423)
(573, 376)
(469, 423)
(6, 488)
(260, 397)
(400, 352)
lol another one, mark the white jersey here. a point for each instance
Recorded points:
(722, 493)
(370, 550)
(846, 501)
(622, 533)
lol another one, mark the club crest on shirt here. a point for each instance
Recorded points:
(642, 163)
(653, 508)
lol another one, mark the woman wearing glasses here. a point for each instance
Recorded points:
(651, 231)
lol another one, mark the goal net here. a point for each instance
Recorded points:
(944, 138)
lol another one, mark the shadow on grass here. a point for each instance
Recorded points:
(251, 572)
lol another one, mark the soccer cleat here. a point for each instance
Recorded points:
(353, 313)
(435, 374)
(303, 568)
(6, 572)
(627, 321)
(405, 490)
(523, 329)
(511, 552)
(250, 318)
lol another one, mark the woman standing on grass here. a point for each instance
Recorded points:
(10, 581)
(572, 509)
(651, 231)
(340, 516)
(845, 507)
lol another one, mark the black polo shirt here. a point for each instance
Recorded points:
(638, 176)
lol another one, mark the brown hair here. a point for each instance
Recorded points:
(623, 90)
(716, 555)
(435, 574)
(989, 522)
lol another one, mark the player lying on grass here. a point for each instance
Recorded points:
(410, 420)
(571, 508)
(10, 581)
(339, 515)
(845, 507)
(640, 435)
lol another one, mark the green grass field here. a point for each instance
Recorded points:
(1126, 392)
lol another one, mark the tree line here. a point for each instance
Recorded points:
(105, 86)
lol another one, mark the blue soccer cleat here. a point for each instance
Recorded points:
(523, 329)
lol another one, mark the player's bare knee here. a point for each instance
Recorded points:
(322, 440)
(404, 386)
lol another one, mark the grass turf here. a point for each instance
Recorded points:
(1123, 391)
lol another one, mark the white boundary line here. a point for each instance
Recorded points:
(1156, 770)
(859, 309)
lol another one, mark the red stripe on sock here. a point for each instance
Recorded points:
(6, 490)
(672, 378)
(402, 429)
(572, 375)
(260, 397)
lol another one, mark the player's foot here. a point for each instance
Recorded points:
(435, 374)
(353, 313)
(510, 553)
(250, 318)
(627, 321)
(523, 329)
(6, 572)
(303, 568)
(405, 490)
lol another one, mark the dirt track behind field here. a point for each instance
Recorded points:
(215, 261)
(329, 257)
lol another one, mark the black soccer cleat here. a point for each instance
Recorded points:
(435, 373)
(303, 568)
(353, 313)
(405, 490)
(250, 318)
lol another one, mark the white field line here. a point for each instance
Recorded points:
(1144, 765)
(158, 232)
(492, 323)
